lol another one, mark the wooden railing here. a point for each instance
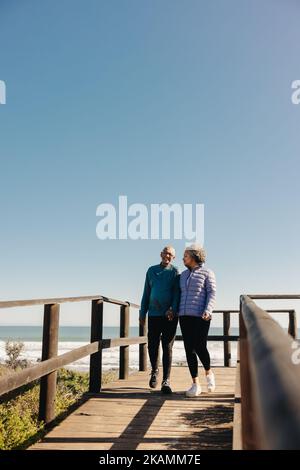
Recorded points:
(227, 338)
(269, 389)
(46, 370)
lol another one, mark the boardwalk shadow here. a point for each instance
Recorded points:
(212, 416)
(215, 428)
(142, 421)
(213, 423)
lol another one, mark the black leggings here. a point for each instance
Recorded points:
(194, 333)
(164, 329)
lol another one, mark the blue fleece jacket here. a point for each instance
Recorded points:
(161, 291)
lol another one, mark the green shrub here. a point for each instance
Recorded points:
(19, 425)
(18, 419)
(13, 350)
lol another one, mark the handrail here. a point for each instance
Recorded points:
(270, 381)
(13, 381)
(61, 300)
(51, 362)
(274, 296)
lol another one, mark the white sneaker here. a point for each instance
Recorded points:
(211, 384)
(194, 391)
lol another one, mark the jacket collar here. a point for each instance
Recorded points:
(195, 268)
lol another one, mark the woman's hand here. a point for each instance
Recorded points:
(206, 316)
(170, 315)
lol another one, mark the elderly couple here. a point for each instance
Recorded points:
(190, 297)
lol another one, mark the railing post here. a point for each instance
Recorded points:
(227, 344)
(96, 335)
(293, 324)
(124, 350)
(143, 348)
(248, 433)
(49, 350)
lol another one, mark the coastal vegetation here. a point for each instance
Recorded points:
(19, 424)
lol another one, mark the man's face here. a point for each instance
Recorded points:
(167, 255)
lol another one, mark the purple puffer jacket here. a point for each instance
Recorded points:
(198, 292)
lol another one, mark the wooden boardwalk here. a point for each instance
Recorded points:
(126, 415)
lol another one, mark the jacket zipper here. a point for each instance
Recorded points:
(187, 290)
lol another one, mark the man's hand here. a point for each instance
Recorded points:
(170, 314)
(142, 321)
(206, 316)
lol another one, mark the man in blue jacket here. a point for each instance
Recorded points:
(161, 301)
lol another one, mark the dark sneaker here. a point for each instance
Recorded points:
(153, 379)
(165, 387)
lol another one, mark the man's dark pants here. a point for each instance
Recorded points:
(160, 328)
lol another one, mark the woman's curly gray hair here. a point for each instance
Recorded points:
(197, 252)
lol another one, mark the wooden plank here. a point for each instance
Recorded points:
(16, 380)
(215, 338)
(292, 329)
(248, 433)
(127, 341)
(13, 381)
(49, 350)
(143, 328)
(126, 415)
(227, 344)
(274, 296)
(95, 379)
(61, 300)
(275, 381)
(237, 414)
(124, 350)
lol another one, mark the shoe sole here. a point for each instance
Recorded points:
(153, 386)
(193, 396)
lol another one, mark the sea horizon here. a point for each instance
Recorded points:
(72, 337)
(76, 333)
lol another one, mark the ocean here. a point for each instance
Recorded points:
(71, 337)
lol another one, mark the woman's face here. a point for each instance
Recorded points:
(188, 260)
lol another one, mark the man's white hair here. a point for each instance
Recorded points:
(169, 248)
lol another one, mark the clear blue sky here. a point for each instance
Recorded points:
(162, 101)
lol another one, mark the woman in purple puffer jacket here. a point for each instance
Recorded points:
(198, 295)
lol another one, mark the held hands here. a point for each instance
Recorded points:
(170, 314)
